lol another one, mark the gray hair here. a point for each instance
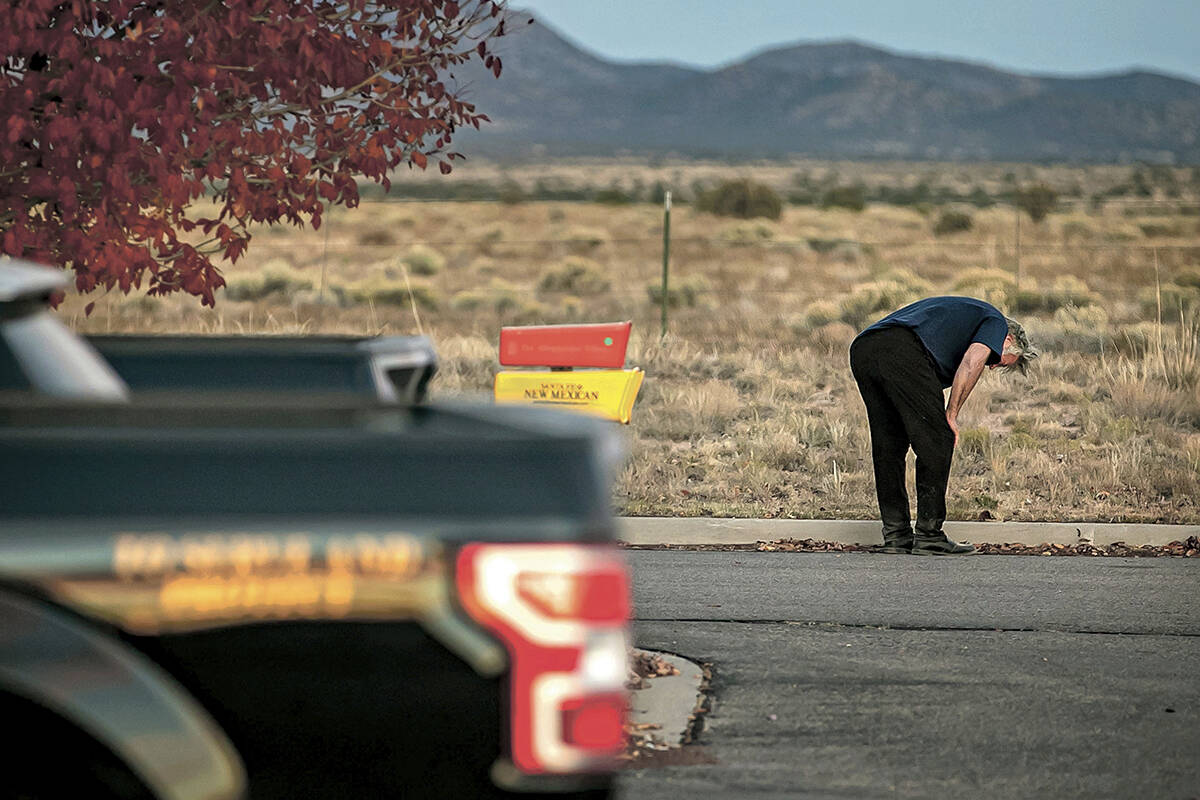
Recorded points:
(1025, 351)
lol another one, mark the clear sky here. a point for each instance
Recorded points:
(1032, 36)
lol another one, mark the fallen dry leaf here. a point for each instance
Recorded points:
(647, 665)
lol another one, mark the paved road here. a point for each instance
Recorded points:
(860, 675)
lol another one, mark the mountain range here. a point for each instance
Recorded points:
(840, 99)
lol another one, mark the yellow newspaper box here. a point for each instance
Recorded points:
(608, 393)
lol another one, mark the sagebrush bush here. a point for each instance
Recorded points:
(582, 239)
(974, 442)
(1154, 230)
(382, 291)
(908, 281)
(1120, 235)
(745, 199)
(984, 276)
(276, 278)
(893, 290)
(1082, 329)
(1066, 290)
(1177, 301)
(1037, 201)
(833, 336)
(748, 233)
(511, 307)
(376, 237)
(469, 300)
(571, 307)
(530, 312)
(820, 312)
(614, 195)
(500, 296)
(951, 221)
(844, 250)
(1188, 276)
(825, 246)
(577, 276)
(864, 304)
(505, 299)
(868, 301)
(851, 197)
(1136, 339)
(483, 266)
(995, 286)
(335, 296)
(492, 235)
(423, 260)
(689, 292)
(1077, 229)
(511, 193)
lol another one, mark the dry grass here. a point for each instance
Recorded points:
(748, 408)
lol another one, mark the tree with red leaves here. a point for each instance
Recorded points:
(119, 114)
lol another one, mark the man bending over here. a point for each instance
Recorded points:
(902, 363)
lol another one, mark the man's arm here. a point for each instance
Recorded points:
(965, 377)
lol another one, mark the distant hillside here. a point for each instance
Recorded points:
(833, 100)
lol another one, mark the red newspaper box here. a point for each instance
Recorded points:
(599, 345)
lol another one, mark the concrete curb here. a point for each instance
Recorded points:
(707, 530)
(668, 701)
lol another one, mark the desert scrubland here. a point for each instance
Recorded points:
(748, 408)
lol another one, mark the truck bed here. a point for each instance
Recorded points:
(251, 455)
(387, 368)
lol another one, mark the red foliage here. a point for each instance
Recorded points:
(118, 114)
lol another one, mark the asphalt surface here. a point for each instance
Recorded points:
(862, 675)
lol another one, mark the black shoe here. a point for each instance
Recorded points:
(895, 543)
(939, 544)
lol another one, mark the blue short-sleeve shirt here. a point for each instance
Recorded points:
(947, 326)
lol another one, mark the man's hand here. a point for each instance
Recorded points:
(965, 376)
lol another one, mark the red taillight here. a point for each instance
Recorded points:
(562, 612)
(598, 597)
(596, 723)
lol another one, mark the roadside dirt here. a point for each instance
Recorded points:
(1187, 548)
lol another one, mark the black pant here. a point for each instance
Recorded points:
(905, 407)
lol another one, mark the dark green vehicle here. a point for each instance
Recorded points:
(218, 595)
(390, 369)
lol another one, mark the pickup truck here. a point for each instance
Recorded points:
(391, 369)
(280, 595)
(388, 368)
